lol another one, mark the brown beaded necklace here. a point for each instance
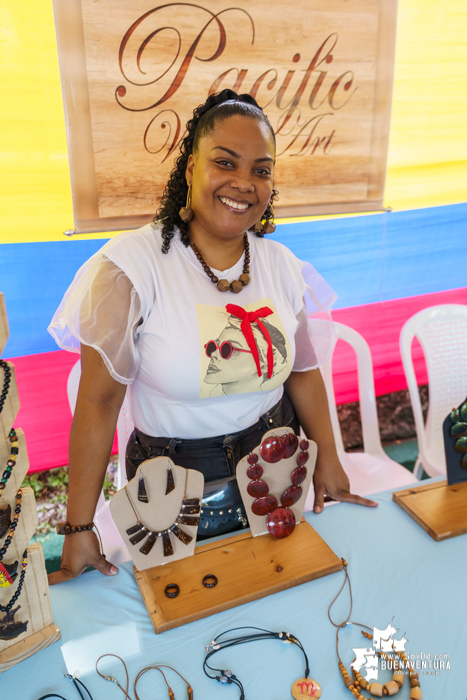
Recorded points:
(357, 683)
(223, 285)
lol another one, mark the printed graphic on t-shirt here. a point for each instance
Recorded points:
(243, 349)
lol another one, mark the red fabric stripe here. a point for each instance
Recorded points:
(45, 414)
(42, 379)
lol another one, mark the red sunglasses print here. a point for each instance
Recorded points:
(225, 349)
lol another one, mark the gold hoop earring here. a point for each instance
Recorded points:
(186, 212)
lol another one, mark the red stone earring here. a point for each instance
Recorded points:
(186, 212)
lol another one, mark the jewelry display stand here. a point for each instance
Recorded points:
(277, 477)
(247, 568)
(440, 508)
(34, 600)
(159, 512)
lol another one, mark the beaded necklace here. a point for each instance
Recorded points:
(301, 687)
(6, 383)
(14, 451)
(356, 683)
(223, 285)
(189, 507)
(280, 521)
(8, 573)
(9, 628)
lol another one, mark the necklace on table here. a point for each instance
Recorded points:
(9, 627)
(14, 450)
(9, 572)
(355, 683)
(301, 689)
(223, 285)
(280, 520)
(189, 507)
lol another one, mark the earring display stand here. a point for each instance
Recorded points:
(247, 568)
(439, 508)
(34, 600)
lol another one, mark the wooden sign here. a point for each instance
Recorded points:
(133, 72)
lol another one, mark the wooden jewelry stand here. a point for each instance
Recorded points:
(440, 509)
(34, 599)
(247, 568)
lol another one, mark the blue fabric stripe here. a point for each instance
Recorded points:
(380, 257)
(366, 259)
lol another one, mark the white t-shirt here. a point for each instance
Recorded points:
(197, 367)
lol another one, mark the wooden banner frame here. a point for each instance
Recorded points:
(120, 209)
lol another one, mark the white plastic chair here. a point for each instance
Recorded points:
(442, 333)
(114, 547)
(372, 470)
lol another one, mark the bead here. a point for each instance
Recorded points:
(460, 445)
(264, 505)
(14, 451)
(223, 286)
(252, 458)
(214, 279)
(376, 689)
(392, 687)
(257, 489)
(280, 523)
(459, 430)
(302, 458)
(398, 678)
(272, 450)
(414, 683)
(255, 471)
(244, 279)
(236, 286)
(290, 442)
(415, 694)
(291, 496)
(298, 476)
(304, 445)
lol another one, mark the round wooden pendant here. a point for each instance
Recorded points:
(306, 688)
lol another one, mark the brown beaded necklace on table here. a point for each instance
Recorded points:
(224, 285)
(356, 684)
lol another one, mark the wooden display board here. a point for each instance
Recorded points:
(321, 69)
(34, 600)
(248, 568)
(440, 509)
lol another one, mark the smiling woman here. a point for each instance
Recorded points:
(152, 310)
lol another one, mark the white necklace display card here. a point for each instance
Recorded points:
(160, 513)
(278, 477)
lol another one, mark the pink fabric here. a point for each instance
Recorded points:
(45, 415)
(380, 324)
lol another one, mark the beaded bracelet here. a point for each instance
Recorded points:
(67, 529)
(11, 532)
(6, 383)
(14, 451)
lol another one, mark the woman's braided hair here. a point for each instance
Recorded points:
(216, 109)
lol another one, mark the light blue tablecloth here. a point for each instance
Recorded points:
(398, 573)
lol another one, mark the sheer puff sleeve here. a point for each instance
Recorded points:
(102, 309)
(315, 335)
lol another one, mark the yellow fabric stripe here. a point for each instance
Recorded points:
(427, 164)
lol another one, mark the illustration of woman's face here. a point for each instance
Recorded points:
(238, 369)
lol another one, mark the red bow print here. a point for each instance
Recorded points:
(247, 318)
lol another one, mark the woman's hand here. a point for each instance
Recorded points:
(308, 395)
(330, 479)
(81, 550)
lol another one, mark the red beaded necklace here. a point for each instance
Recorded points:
(280, 520)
